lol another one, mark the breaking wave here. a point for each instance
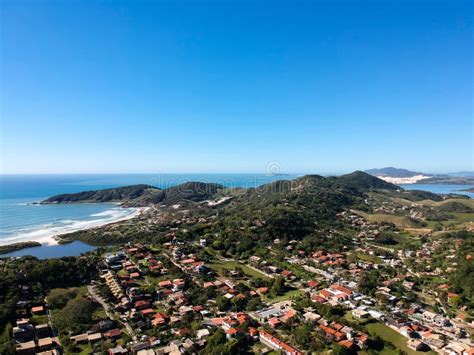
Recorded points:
(45, 233)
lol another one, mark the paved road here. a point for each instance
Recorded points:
(96, 296)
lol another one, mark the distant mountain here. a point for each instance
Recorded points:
(394, 172)
(468, 174)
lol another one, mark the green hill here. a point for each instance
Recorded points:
(117, 194)
(142, 195)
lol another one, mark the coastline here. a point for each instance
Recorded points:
(49, 236)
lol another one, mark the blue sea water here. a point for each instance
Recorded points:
(21, 220)
(441, 189)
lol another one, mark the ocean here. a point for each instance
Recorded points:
(22, 220)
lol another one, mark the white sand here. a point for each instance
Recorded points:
(401, 181)
(47, 236)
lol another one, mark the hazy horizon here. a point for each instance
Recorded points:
(282, 172)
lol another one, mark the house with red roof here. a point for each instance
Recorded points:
(148, 312)
(274, 322)
(166, 283)
(277, 344)
(253, 332)
(231, 332)
(347, 344)
(312, 284)
(113, 333)
(142, 304)
(160, 319)
(37, 310)
(178, 283)
(187, 261)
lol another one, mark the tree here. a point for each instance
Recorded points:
(254, 304)
(369, 281)
(76, 316)
(222, 303)
(58, 297)
(278, 286)
(215, 343)
(340, 350)
(7, 345)
(302, 335)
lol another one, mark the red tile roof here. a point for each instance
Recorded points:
(288, 349)
(113, 333)
(312, 283)
(231, 331)
(346, 343)
(274, 321)
(147, 311)
(37, 309)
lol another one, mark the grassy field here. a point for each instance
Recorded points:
(219, 267)
(469, 203)
(284, 297)
(348, 316)
(399, 221)
(390, 335)
(461, 220)
(369, 258)
(99, 314)
(39, 319)
(84, 349)
(154, 280)
(463, 217)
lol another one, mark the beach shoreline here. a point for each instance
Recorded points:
(51, 236)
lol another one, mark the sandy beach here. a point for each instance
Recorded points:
(403, 181)
(48, 236)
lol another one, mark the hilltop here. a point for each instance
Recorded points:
(116, 194)
(141, 195)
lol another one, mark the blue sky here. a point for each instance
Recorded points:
(231, 86)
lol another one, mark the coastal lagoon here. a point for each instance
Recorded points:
(52, 251)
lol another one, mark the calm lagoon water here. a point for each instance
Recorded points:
(53, 251)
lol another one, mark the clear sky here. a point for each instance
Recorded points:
(231, 86)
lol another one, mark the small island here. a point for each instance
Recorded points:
(470, 189)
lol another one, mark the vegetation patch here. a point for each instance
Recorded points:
(220, 267)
